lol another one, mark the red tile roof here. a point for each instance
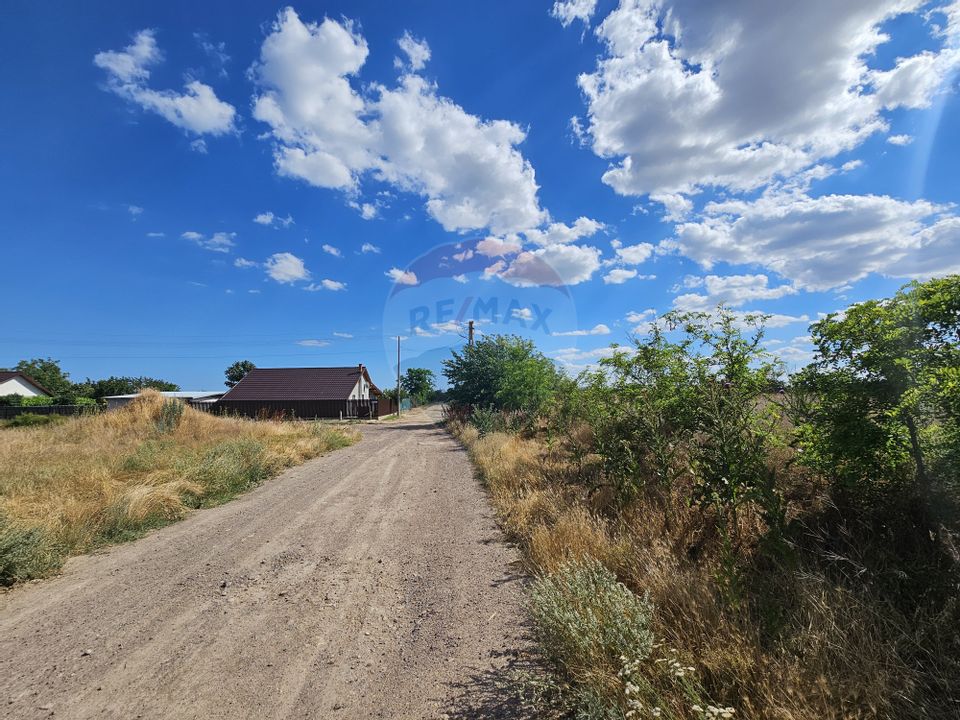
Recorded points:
(330, 383)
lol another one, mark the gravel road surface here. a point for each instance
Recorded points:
(371, 582)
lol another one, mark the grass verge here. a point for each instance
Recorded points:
(71, 486)
(639, 616)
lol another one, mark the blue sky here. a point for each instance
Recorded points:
(185, 185)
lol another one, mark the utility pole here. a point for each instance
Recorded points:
(470, 333)
(398, 376)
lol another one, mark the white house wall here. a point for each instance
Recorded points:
(17, 386)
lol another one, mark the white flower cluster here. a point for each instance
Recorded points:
(712, 712)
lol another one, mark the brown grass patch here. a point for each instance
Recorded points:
(70, 487)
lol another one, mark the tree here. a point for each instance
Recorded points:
(883, 393)
(419, 384)
(47, 372)
(235, 372)
(113, 385)
(504, 372)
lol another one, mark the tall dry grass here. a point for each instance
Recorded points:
(806, 638)
(70, 487)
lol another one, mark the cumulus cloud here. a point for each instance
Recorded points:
(368, 248)
(286, 267)
(732, 291)
(522, 314)
(552, 265)
(325, 284)
(560, 234)
(599, 329)
(218, 242)
(618, 276)
(268, 218)
(733, 95)
(244, 263)
(331, 250)
(417, 51)
(402, 277)
(633, 254)
(498, 247)
(468, 169)
(343, 335)
(197, 110)
(566, 11)
(900, 139)
(823, 242)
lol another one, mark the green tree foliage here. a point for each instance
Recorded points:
(235, 372)
(418, 384)
(114, 385)
(504, 372)
(48, 373)
(880, 405)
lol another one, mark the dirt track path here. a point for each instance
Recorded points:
(371, 582)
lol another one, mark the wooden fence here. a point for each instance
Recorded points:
(11, 411)
(300, 409)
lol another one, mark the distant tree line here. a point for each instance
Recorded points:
(48, 373)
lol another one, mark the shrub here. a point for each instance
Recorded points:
(33, 420)
(25, 553)
(587, 623)
(169, 416)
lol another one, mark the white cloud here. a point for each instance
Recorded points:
(900, 139)
(733, 95)
(331, 250)
(343, 335)
(676, 206)
(634, 254)
(268, 218)
(313, 343)
(368, 211)
(498, 247)
(851, 165)
(449, 327)
(199, 146)
(560, 234)
(332, 285)
(599, 329)
(464, 255)
(522, 314)
(134, 210)
(732, 291)
(821, 243)
(156, 234)
(468, 169)
(402, 277)
(461, 279)
(552, 265)
(369, 248)
(566, 11)
(618, 276)
(218, 242)
(244, 263)
(417, 51)
(285, 267)
(196, 110)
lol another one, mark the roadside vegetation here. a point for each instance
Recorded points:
(712, 538)
(75, 484)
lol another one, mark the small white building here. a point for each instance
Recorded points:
(14, 382)
(188, 396)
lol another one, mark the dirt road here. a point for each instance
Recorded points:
(371, 582)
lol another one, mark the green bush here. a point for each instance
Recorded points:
(33, 420)
(171, 412)
(589, 624)
(25, 553)
(36, 401)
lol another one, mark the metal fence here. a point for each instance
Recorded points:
(299, 409)
(11, 411)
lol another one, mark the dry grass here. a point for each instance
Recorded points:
(69, 487)
(802, 641)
